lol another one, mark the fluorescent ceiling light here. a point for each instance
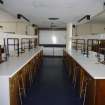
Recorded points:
(54, 39)
(53, 18)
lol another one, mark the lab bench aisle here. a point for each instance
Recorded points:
(52, 85)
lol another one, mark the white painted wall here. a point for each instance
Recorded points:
(7, 21)
(98, 28)
(89, 28)
(5, 16)
(31, 30)
(84, 29)
(12, 24)
(53, 51)
(21, 28)
(8, 26)
(52, 37)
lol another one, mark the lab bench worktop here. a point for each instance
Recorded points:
(90, 64)
(87, 75)
(17, 75)
(13, 64)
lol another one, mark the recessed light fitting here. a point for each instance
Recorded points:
(53, 18)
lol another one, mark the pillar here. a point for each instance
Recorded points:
(69, 36)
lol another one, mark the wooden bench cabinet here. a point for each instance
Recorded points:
(17, 79)
(90, 89)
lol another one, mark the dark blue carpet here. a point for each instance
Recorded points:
(52, 86)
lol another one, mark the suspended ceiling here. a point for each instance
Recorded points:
(38, 11)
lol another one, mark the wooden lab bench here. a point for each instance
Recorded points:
(17, 76)
(87, 76)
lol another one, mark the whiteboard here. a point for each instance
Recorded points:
(52, 37)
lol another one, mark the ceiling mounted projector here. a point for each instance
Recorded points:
(1, 2)
(84, 19)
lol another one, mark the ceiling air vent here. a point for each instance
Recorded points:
(52, 18)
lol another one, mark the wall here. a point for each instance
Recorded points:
(31, 30)
(98, 28)
(11, 24)
(8, 26)
(7, 21)
(89, 28)
(21, 28)
(51, 39)
(5, 16)
(84, 29)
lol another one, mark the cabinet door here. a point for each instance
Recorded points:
(81, 83)
(14, 91)
(100, 92)
(78, 72)
(91, 91)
